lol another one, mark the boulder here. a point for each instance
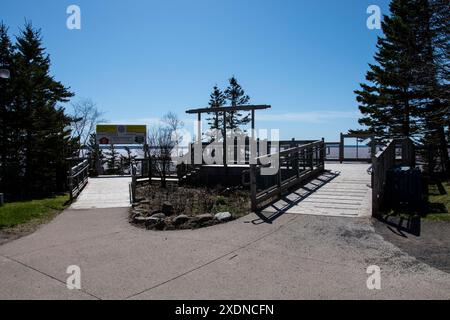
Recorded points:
(167, 208)
(155, 223)
(152, 222)
(223, 216)
(158, 215)
(140, 219)
(182, 218)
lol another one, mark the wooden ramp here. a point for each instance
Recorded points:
(104, 192)
(343, 191)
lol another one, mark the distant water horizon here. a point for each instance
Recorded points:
(331, 151)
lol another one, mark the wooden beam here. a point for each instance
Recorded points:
(224, 145)
(228, 109)
(253, 120)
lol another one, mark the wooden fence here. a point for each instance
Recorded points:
(400, 151)
(78, 178)
(295, 165)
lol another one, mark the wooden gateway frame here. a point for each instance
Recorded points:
(224, 110)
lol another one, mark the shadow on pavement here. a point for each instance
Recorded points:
(400, 225)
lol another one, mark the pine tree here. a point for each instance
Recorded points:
(6, 61)
(433, 78)
(388, 101)
(112, 159)
(216, 100)
(40, 138)
(409, 90)
(236, 96)
(95, 156)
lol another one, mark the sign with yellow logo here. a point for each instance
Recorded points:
(121, 134)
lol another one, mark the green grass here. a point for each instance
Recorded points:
(439, 204)
(17, 213)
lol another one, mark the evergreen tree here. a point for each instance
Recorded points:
(433, 17)
(236, 96)
(6, 60)
(38, 141)
(112, 159)
(95, 156)
(216, 100)
(388, 101)
(408, 94)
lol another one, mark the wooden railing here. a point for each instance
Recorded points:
(399, 151)
(78, 178)
(295, 165)
(262, 147)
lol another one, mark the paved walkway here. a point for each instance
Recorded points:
(343, 191)
(294, 257)
(104, 192)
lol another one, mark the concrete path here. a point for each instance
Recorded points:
(104, 192)
(343, 191)
(295, 257)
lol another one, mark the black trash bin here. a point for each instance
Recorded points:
(404, 188)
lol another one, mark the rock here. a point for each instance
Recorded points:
(155, 223)
(139, 211)
(140, 219)
(158, 215)
(182, 218)
(223, 216)
(167, 208)
(151, 221)
(204, 217)
(144, 202)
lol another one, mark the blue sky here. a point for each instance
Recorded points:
(138, 59)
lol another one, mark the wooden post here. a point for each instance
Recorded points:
(253, 136)
(341, 149)
(198, 158)
(253, 120)
(374, 184)
(279, 178)
(373, 147)
(316, 154)
(253, 186)
(71, 183)
(192, 154)
(199, 128)
(322, 153)
(296, 163)
(133, 184)
(257, 148)
(224, 152)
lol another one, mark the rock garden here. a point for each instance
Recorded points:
(185, 207)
